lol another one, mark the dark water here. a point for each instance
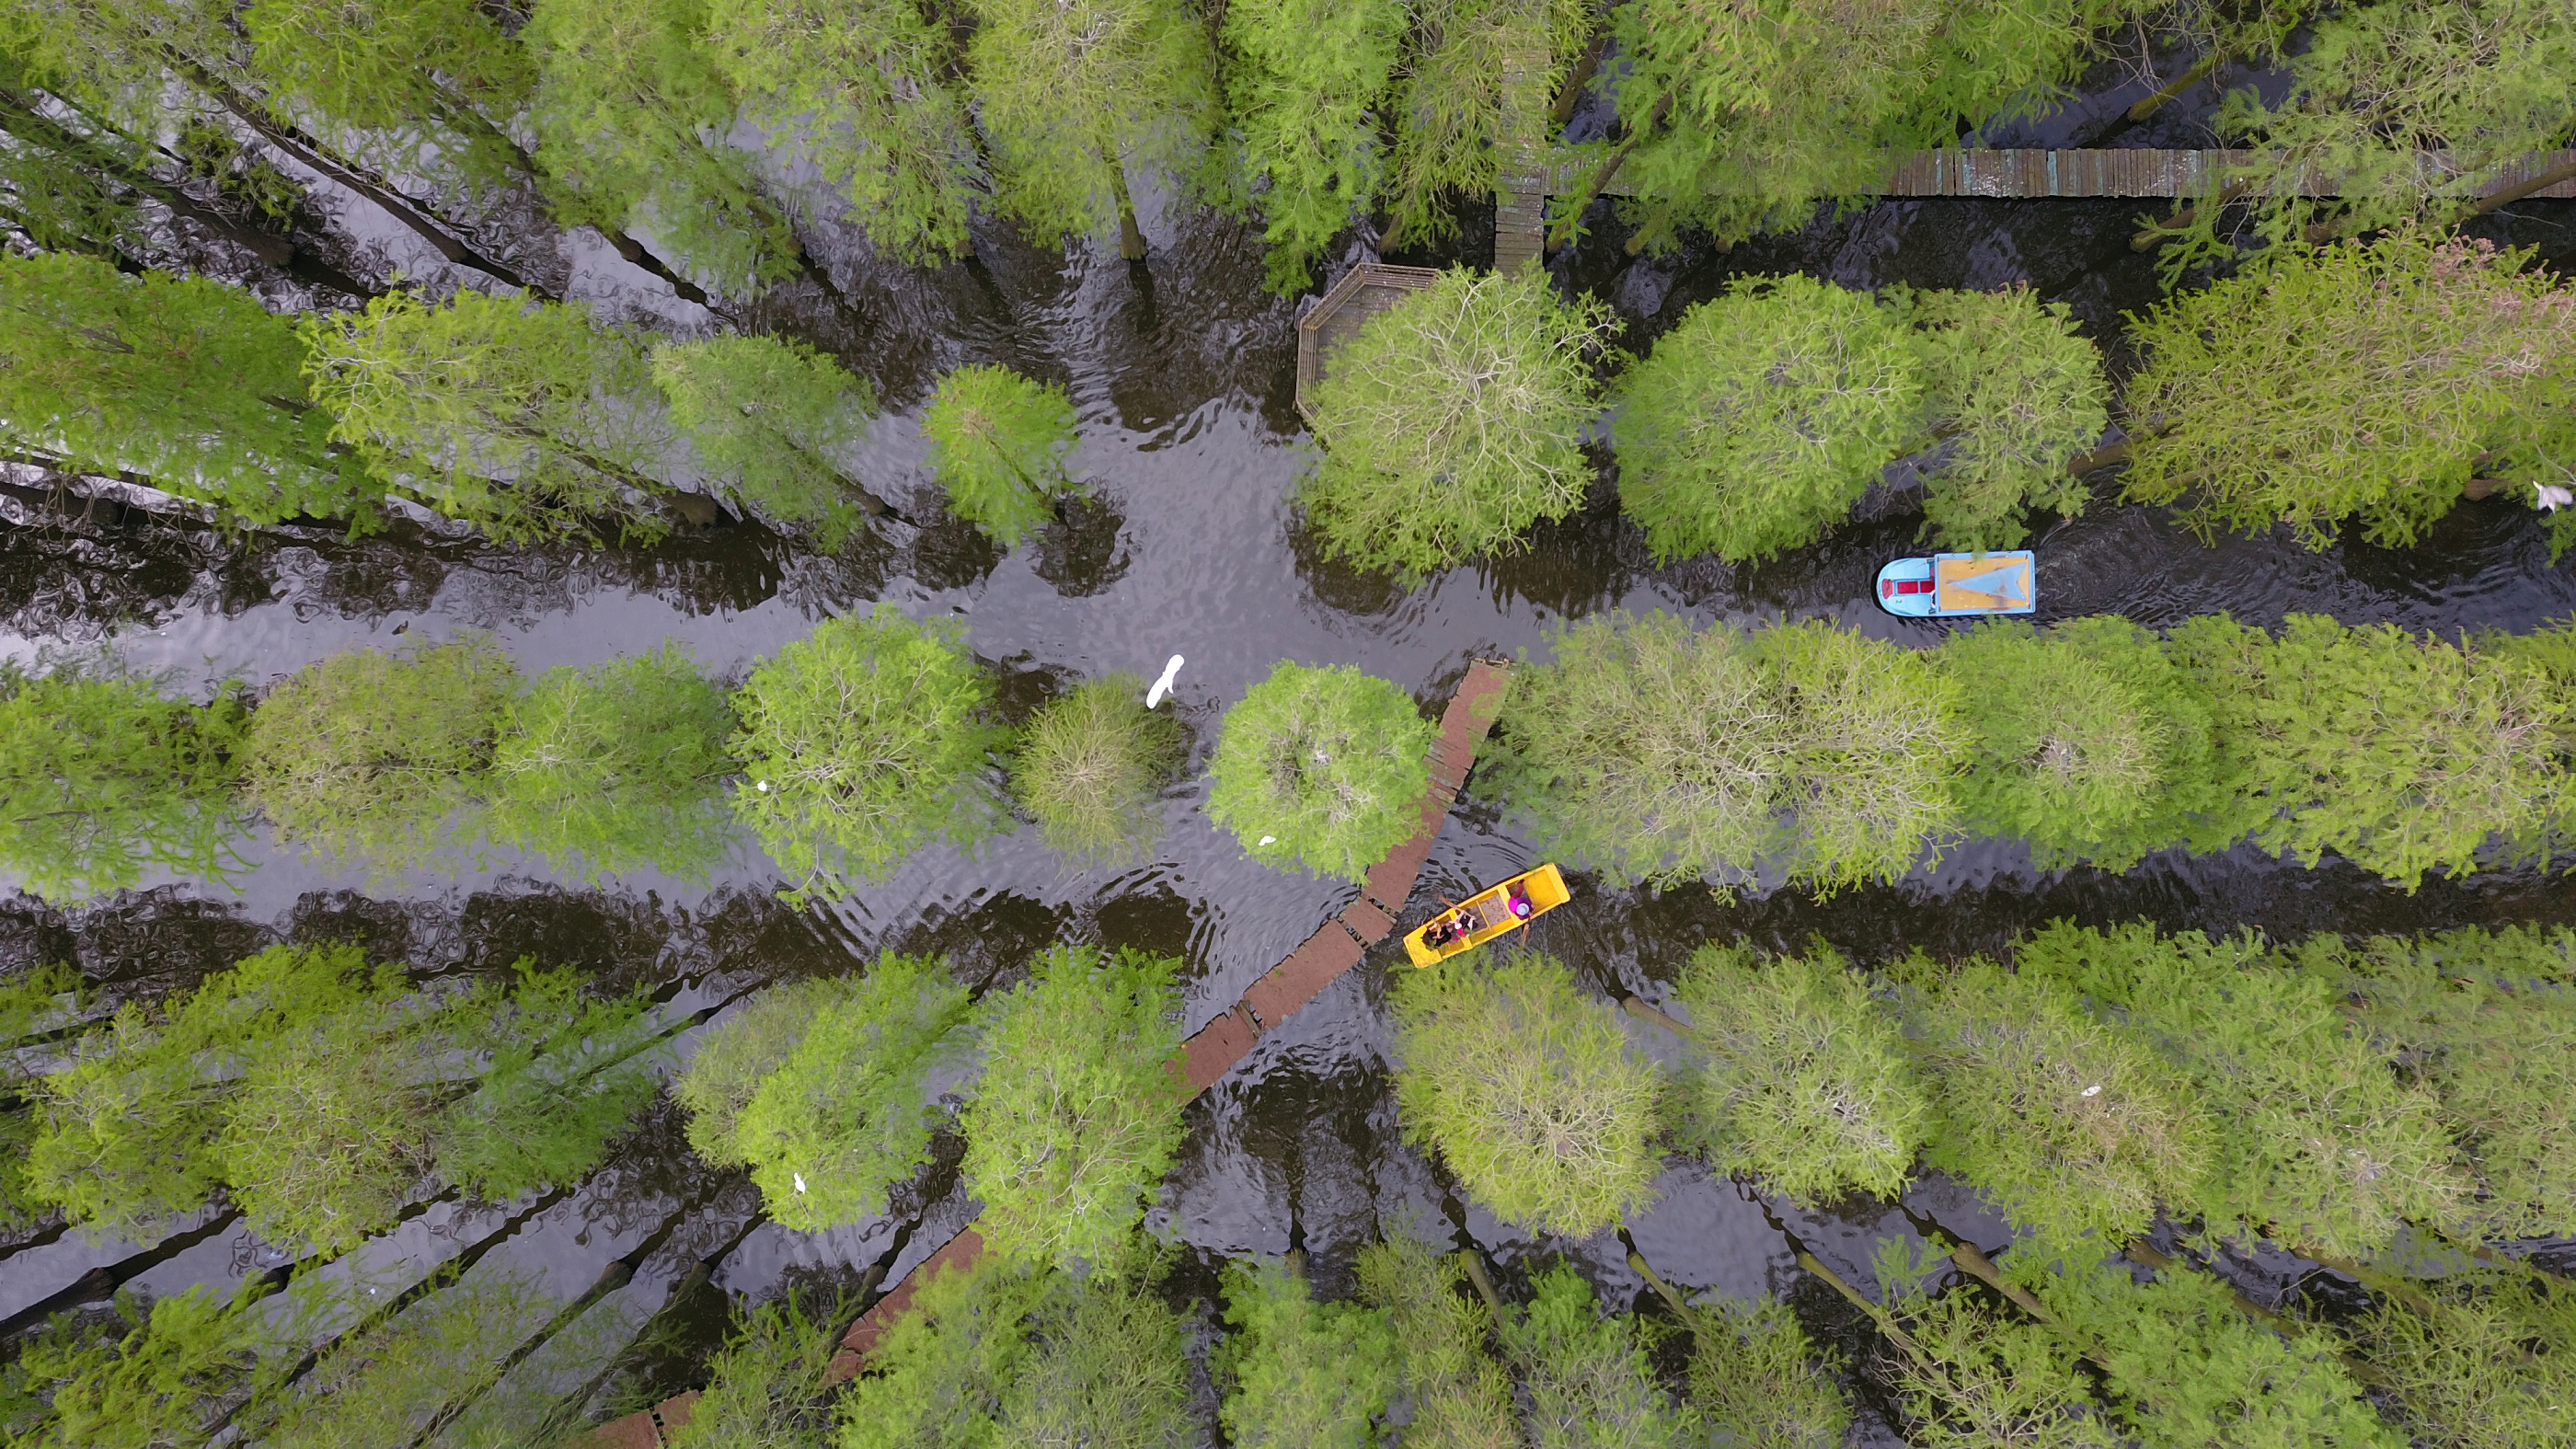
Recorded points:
(1181, 369)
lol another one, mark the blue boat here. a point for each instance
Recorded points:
(1959, 585)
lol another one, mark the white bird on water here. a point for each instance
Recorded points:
(1163, 686)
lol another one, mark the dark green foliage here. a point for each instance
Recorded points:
(2087, 742)
(101, 779)
(609, 768)
(2321, 386)
(765, 416)
(848, 1113)
(152, 1377)
(935, 1381)
(862, 743)
(739, 1053)
(561, 1079)
(2074, 1127)
(382, 1386)
(871, 84)
(1967, 1376)
(1305, 79)
(526, 419)
(1090, 766)
(407, 85)
(1526, 1088)
(372, 758)
(1758, 422)
(2487, 1366)
(1449, 425)
(1301, 1374)
(1069, 96)
(2320, 1146)
(1461, 1397)
(189, 384)
(631, 117)
(2401, 753)
(1459, 112)
(1321, 768)
(1078, 1112)
(1590, 1386)
(770, 1386)
(1757, 1381)
(1803, 1081)
(997, 444)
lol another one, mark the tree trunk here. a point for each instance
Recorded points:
(1131, 239)
(1601, 177)
(1585, 65)
(2164, 95)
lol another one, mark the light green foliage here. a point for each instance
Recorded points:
(1760, 420)
(1078, 1114)
(2187, 1369)
(1306, 79)
(2017, 391)
(1803, 1081)
(2466, 1374)
(153, 1378)
(1089, 767)
(935, 1381)
(190, 384)
(632, 111)
(870, 83)
(770, 1386)
(615, 766)
(1302, 1374)
(380, 1387)
(862, 743)
(2401, 753)
(1107, 1369)
(765, 414)
(119, 60)
(1070, 95)
(1449, 425)
(1590, 1386)
(1461, 1397)
(2320, 1146)
(1457, 112)
(1757, 1380)
(526, 419)
(1321, 769)
(365, 757)
(1526, 1088)
(2486, 81)
(2353, 382)
(849, 1112)
(562, 1078)
(740, 1052)
(67, 190)
(1972, 1378)
(997, 444)
(2072, 1126)
(1750, 114)
(101, 778)
(2487, 1021)
(407, 85)
(2087, 742)
(1873, 743)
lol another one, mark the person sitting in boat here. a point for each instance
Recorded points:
(1516, 896)
(1440, 932)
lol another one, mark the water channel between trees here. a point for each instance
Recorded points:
(1181, 368)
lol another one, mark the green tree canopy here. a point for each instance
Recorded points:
(2459, 1368)
(1077, 1115)
(1526, 1088)
(862, 743)
(379, 759)
(409, 85)
(1803, 1081)
(1476, 77)
(1460, 1395)
(101, 778)
(765, 416)
(1449, 425)
(604, 769)
(997, 444)
(526, 419)
(1090, 767)
(190, 385)
(1322, 769)
(2368, 383)
(1588, 1376)
(871, 85)
(1307, 82)
(1299, 1374)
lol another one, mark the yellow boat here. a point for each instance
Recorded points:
(1485, 915)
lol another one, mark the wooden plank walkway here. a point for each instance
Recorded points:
(1217, 1048)
(2088, 173)
(1521, 174)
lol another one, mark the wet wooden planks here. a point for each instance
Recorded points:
(1999, 172)
(1218, 1047)
(1363, 292)
(1521, 172)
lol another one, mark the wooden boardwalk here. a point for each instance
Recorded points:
(1206, 1057)
(2081, 173)
(1521, 179)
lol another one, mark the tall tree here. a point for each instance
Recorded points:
(871, 87)
(408, 86)
(101, 777)
(1475, 80)
(766, 417)
(1072, 95)
(1308, 82)
(180, 382)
